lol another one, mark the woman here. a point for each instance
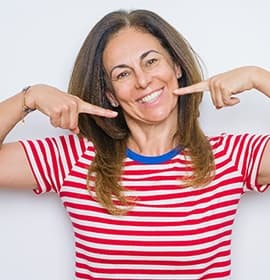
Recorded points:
(148, 194)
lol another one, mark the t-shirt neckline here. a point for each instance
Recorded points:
(152, 159)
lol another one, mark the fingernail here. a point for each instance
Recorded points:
(113, 113)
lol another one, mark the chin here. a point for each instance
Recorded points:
(156, 118)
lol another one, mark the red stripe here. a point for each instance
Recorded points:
(95, 218)
(156, 232)
(53, 168)
(188, 253)
(155, 243)
(66, 150)
(39, 165)
(259, 143)
(216, 275)
(135, 271)
(143, 261)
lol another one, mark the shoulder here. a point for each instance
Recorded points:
(75, 142)
(220, 140)
(61, 144)
(229, 141)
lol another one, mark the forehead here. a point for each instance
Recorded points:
(128, 44)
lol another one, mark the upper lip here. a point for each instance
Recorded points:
(149, 93)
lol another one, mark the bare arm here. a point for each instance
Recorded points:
(15, 171)
(224, 88)
(62, 109)
(10, 114)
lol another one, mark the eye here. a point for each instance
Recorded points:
(122, 76)
(151, 61)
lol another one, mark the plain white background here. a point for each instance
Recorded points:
(39, 42)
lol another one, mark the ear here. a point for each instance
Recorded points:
(178, 71)
(112, 99)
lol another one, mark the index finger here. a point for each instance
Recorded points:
(199, 87)
(91, 109)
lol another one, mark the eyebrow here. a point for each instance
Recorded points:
(142, 56)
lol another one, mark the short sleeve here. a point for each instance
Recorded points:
(246, 151)
(51, 159)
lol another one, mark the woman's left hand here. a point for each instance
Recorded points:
(223, 87)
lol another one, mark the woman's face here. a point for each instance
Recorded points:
(143, 77)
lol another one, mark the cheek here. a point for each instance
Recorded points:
(167, 70)
(122, 94)
(170, 76)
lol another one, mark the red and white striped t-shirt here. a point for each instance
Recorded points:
(172, 232)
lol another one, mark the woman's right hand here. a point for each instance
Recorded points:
(63, 109)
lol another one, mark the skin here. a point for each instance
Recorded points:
(143, 77)
(224, 88)
(62, 110)
(148, 122)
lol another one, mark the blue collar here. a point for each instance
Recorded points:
(153, 159)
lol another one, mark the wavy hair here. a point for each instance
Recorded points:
(109, 136)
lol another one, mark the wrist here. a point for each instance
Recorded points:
(25, 108)
(261, 80)
(29, 104)
(257, 76)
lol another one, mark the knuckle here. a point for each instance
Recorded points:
(55, 112)
(64, 108)
(223, 87)
(73, 124)
(53, 122)
(226, 99)
(212, 81)
(72, 103)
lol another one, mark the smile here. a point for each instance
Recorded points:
(150, 98)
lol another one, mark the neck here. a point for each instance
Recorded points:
(153, 140)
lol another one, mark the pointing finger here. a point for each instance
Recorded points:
(199, 87)
(88, 108)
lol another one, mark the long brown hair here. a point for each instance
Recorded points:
(109, 136)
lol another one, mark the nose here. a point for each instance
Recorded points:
(143, 78)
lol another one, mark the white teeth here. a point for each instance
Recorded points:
(151, 97)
